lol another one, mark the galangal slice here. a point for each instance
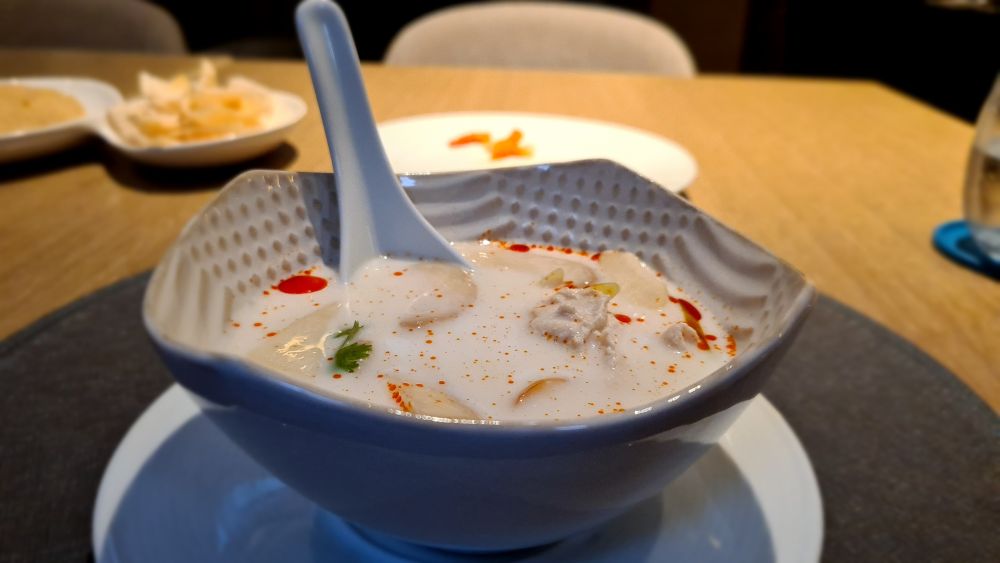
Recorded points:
(417, 399)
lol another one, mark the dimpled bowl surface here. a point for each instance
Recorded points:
(463, 485)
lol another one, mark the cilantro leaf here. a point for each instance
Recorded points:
(350, 332)
(348, 356)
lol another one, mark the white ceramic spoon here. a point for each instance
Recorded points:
(376, 217)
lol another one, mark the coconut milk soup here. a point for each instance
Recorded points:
(533, 333)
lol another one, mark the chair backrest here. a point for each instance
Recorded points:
(542, 35)
(122, 25)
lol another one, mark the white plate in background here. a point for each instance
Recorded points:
(420, 144)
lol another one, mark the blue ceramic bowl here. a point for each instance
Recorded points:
(467, 486)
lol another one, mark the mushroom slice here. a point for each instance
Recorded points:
(555, 278)
(300, 347)
(640, 284)
(541, 263)
(444, 290)
(538, 387)
(428, 402)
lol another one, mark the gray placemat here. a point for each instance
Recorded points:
(908, 459)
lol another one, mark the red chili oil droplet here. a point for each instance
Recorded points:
(271, 334)
(266, 292)
(710, 337)
(301, 284)
(689, 309)
(519, 247)
(258, 324)
(596, 257)
(624, 319)
(337, 376)
(237, 325)
(692, 316)
(397, 273)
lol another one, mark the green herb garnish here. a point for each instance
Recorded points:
(350, 332)
(350, 354)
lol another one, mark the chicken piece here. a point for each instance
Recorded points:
(572, 316)
(680, 338)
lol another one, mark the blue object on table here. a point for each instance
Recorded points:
(954, 240)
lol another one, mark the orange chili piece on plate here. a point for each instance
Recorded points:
(510, 146)
(471, 138)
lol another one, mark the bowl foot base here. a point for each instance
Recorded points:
(416, 552)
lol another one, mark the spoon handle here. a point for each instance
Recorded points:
(376, 217)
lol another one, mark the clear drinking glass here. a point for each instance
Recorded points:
(982, 179)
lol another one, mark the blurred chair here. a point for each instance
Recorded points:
(122, 25)
(542, 35)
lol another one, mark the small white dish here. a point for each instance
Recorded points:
(177, 489)
(420, 144)
(98, 97)
(289, 110)
(95, 96)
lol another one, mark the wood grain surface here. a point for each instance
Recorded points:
(844, 179)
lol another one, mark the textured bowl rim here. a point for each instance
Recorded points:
(653, 417)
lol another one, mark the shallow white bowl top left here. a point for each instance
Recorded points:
(95, 96)
(98, 97)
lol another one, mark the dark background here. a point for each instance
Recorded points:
(945, 55)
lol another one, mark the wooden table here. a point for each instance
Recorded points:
(846, 180)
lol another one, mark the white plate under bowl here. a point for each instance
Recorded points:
(177, 489)
(420, 144)
(95, 96)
